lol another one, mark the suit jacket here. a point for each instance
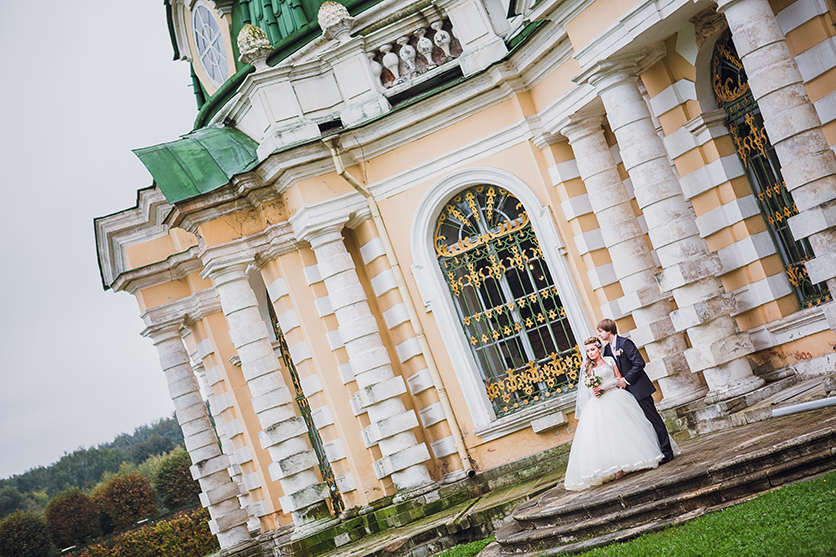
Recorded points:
(631, 366)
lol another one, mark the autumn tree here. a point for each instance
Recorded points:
(124, 500)
(24, 534)
(174, 483)
(72, 517)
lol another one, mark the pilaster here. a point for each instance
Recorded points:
(284, 434)
(689, 271)
(632, 261)
(379, 388)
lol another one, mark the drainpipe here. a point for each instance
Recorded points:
(410, 307)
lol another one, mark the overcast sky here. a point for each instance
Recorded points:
(83, 84)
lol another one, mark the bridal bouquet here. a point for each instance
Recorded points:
(593, 381)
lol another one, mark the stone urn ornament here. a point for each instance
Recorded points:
(442, 38)
(391, 61)
(335, 21)
(425, 47)
(407, 55)
(254, 47)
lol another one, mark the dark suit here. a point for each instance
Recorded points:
(631, 365)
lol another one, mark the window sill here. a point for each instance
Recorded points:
(521, 420)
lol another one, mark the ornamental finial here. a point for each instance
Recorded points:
(254, 47)
(335, 21)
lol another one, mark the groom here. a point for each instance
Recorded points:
(635, 380)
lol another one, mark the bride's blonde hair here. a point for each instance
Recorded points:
(587, 364)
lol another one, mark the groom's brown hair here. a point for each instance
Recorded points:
(607, 325)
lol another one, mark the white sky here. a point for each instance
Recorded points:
(83, 84)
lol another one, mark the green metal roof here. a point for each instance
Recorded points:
(199, 162)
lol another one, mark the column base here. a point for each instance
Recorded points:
(725, 392)
(414, 493)
(308, 529)
(681, 388)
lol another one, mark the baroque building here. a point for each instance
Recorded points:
(394, 223)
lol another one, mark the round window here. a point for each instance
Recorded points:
(210, 44)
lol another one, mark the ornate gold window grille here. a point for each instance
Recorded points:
(745, 124)
(507, 303)
(337, 505)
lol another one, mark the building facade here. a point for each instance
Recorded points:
(394, 223)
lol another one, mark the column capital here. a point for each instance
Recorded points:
(227, 268)
(192, 308)
(320, 227)
(723, 5)
(620, 68)
(164, 331)
(585, 122)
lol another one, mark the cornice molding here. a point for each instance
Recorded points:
(638, 28)
(145, 221)
(174, 267)
(256, 250)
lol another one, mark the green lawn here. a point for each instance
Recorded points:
(797, 520)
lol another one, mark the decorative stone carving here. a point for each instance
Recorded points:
(407, 56)
(425, 47)
(435, 47)
(375, 67)
(708, 23)
(254, 47)
(391, 61)
(335, 21)
(442, 38)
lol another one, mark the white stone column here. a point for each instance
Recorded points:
(284, 434)
(807, 162)
(380, 390)
(689, 271)
(632, 261)
(219, 493)
(234, 469)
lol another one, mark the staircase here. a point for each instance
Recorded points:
(713, 471)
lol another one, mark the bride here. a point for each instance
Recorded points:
(613, 436)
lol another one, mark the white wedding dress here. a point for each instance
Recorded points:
(612, 435)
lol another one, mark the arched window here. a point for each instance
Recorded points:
(745, 124)
(505, 298)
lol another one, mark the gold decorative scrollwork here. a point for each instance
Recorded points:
(755, 141)
(729, 89)
(443, 249)
(535, 380)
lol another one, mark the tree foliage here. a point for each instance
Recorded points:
(11, 500)
(174, 483)
(153, 446)
(24, 534)
(186, 535)
(84, 468)
(73, 518)
(124, 500)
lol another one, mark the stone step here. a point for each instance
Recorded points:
(700, 418)
(741, 466)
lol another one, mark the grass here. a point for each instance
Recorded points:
(467, 550)
(797, 520)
